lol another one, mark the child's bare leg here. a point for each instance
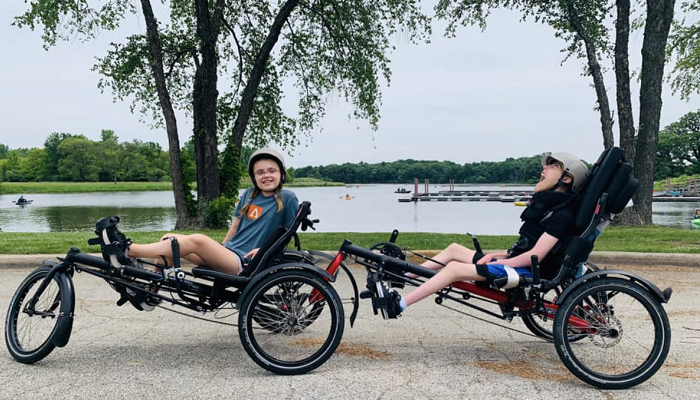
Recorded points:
(453, 252)
(453, 272)
(196, 247)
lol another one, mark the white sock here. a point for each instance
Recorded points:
(402, 304)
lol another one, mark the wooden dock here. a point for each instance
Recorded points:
(503, 196)
(508, 196)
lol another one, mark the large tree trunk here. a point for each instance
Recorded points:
(658, 23)
(622, 78)
(179, 189)
(251, 90)
(596, 73)
(205, 96)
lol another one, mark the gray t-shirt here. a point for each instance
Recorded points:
(261, 220)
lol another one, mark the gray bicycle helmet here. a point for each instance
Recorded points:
(573, 166)
(270, 154)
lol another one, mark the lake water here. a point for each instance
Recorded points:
(374, 208)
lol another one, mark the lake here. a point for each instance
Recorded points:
(373, 208)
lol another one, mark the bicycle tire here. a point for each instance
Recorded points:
(627, 329)
(29, 334)
(295, 346)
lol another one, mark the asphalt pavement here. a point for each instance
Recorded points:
(430, 352)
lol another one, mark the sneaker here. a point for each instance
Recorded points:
(113, 243)
(392, 307)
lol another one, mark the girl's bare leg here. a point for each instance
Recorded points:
(197, 248)
(453, 272)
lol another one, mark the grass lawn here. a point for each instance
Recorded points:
(651, 239)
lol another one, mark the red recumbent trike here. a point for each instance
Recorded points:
(608, 326)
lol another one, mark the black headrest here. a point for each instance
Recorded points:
(611, 175)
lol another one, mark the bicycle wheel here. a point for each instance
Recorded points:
(542, 324)
(627, 333)
(29, 331)
(286, 342)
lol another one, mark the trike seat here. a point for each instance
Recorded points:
(271, 251)
(609, 188)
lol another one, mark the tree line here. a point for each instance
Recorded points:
(512, 170)
(75, 158)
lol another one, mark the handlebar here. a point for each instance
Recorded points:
(384, 260)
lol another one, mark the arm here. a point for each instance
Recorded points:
(543, 246)
(232, 230)
(491, 256)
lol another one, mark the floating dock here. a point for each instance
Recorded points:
(503, 196)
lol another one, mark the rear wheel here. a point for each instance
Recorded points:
(29, 329)
(627, 333)
(291, 322)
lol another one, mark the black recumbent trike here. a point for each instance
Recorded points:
(290, 318)
(608, 326)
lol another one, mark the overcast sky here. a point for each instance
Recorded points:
(481, 96)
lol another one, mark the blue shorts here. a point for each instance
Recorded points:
(497, 271)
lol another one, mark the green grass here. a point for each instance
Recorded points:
(645, 239)
(91, 187)
(80, 187)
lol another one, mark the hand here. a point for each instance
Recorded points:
(489, 257)
(251, 253)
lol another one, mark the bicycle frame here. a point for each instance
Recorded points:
(525, 300)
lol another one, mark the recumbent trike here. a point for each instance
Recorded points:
(608, 326)
(290, 318)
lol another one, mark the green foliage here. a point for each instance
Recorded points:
(75, 158)
(520, 170)
(651, 239)
(559, 14)
(678, 151)
(684, 44)
(218, 212)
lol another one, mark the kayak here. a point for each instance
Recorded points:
(520, 203)
(24, 203)
(695, 223)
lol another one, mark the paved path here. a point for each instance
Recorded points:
(430, 352)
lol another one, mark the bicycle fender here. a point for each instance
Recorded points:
(64, 325)
(286, 266)
(663, 296)
(356, 298)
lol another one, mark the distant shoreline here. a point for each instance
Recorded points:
(24, 188)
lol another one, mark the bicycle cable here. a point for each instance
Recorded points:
(196, 317)
(493, 323)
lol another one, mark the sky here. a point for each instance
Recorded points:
(482, 96)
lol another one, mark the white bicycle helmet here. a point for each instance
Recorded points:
(573, 166)
(270, 154)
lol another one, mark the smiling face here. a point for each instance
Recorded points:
(267, 176)
(550, 176)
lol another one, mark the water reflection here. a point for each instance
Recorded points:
(372, 208)
(139, 211)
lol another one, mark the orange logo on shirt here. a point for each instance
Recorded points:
(254, 212)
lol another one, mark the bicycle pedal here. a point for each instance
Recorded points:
(366, 294)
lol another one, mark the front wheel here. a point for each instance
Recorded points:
(291, 322)
(30, 329)
(626, 328)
